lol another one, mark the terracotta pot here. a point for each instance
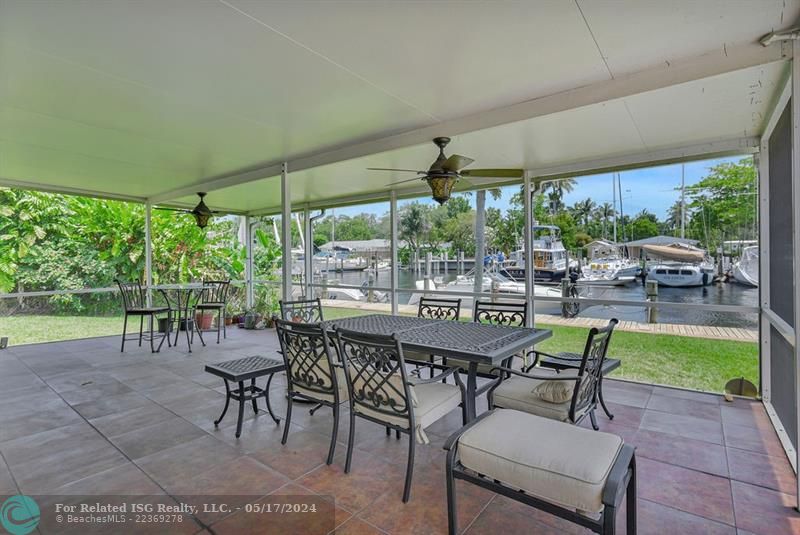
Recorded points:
(204, 321)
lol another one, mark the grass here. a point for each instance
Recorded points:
(694, 363)
(34, 329)
(681, 361)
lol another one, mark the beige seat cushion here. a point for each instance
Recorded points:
(340, 383)
(564, 464)
(517, 393)
(433, 401)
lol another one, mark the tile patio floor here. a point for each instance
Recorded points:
(80, 417)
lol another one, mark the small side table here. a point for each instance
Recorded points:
(239, 371)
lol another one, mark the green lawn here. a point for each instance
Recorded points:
(693, 363)
(32, 329)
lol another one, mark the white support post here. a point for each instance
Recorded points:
(148, 252)
(286, 232)
(762, 168)
(795, 205)
(527, 250)
(248, 266)
(393, 248)
(308, 254)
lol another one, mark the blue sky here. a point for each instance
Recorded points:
(652, 188)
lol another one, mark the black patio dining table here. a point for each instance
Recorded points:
(476, 343)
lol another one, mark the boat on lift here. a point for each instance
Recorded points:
(678, 265)
(550, 259)
(745, 270)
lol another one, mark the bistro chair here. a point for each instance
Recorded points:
(303, 311)
(312, 373)
(568, 396)
(437, 309)
(381, 392)
(213, 296)
(134, 302)
(510, 314)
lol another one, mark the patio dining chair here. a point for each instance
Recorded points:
(213, 297)
(134, 303)
(302, 311)
(381, 392)
(567, 396)
(507, 313)
(436, 309)
(312, 372)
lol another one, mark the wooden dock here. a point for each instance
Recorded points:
(674, 329)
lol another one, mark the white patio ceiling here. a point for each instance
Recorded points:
(155, 100)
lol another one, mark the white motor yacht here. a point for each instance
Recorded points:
(679, 265)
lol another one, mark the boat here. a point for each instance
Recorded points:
(678, 265)
(745, 270)
(339, 261)
(550, 259)
(492, 281)
(609, 266)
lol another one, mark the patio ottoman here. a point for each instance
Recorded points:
(569, 471)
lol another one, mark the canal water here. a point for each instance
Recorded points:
(717, 294)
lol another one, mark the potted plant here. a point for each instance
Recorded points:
(204, 320)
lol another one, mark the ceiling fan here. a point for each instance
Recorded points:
(202, 213)
(445, 171)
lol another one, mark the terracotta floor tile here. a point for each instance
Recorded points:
(304, 451)
(752, 439)
(506, 516)
(181, 462)
(369, 478)
(653, 518)
(627, 393)
(686, 407)
(356, 526)
(763, 511)
(753, 416)
(700, 397)
(683, 426)
(772, 472)
(694, 454)
(426, 511)
(694, 492)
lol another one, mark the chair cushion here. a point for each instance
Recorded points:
(517, 393)
(341, 383)
(433, 401)
(564, 464)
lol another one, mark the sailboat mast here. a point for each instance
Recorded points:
(614, 190)
(621, 213)
(683, 201)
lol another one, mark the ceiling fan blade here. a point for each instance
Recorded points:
(456, 162)
(493, 173)
(404, 181)
(172, 209)
(389, 169)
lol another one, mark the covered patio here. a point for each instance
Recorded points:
(81, 418)
(278, 109)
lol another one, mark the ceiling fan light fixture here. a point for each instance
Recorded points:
(201, 212)
(442, 186)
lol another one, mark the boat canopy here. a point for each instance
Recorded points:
(679, 253)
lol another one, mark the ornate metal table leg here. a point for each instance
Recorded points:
(241, 409)
(469, 401)
(266, 396)
(253, 394)
(227, 402)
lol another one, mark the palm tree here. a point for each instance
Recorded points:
(555, 190)
(674, 215)
(605, 212)
(582, 210)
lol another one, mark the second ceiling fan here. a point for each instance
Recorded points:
(446, 171)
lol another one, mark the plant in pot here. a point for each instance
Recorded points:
(204, 320)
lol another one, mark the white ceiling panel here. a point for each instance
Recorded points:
(637, 34)
(448, 58)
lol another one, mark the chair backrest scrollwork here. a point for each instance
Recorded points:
(439, 309)
(513, 314)
(214, 292)
(376, 374)
(133, 295)
(308, 358)
(590, 372)
(304, 311)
